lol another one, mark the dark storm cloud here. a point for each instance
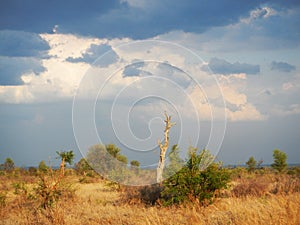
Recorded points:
(41, 15)
(283, 28)
(282, 67)
(20, 43)
(285, 4)
(115, 18)
(104, 54)
(11, 69)
(27, 142)
(221, 66)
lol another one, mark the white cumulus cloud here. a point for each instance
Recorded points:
(168, 72)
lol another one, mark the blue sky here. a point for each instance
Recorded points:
(228, 71)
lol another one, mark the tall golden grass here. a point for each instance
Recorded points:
(252, 199)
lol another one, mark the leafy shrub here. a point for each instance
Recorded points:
(26, 196)
(52, 188)
(108, 160)
(295, 171)
(20, 188)
(8, 165)
(251, 163)
(42, 167)
(82, 167)
(175, 162)
(134, 163)
(48, 192)
(198, 180)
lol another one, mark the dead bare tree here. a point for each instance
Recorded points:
(163, 149)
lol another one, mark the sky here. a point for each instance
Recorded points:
(78, 73)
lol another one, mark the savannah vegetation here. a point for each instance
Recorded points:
(198, 190)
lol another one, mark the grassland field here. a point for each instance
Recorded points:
(252, 198)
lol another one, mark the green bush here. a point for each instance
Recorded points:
(280, 158)
(175, 162)
(52, 188)
(251, 164)
(20, 188)
(295, 171)
(42, 167)
(8, 165)
(82, 167)
(106, 158)
(198, 180)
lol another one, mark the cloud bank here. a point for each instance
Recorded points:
(57, 76)
(128, 18)
(282, 66)
(221, 66)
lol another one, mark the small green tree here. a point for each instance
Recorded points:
(82, 167)
(43, 168)
(251, 163)
(97, 158)
(66, 157)
(113, 150)
(198, 180)
(102, 158)
(108, 161)
(8, 165)
(279, 161)
(122, 158)
(134, 163)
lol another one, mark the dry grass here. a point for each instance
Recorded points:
(97, 203)
(262, 185)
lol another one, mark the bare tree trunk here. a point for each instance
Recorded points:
(163, 149)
